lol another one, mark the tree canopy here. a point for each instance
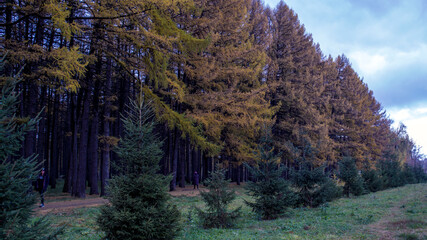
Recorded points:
(215, 71)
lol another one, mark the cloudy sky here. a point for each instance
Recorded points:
(386, 42)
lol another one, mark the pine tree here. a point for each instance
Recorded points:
(353, 182)
(16, 172)
(217, 200)
(326, 192)
(313, 185)
(420, 175)
(372, 180)
(269, 189)
(138, 194)
(391, 173)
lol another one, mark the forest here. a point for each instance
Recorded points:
(216, 72)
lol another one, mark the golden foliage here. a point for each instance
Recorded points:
(67, 66)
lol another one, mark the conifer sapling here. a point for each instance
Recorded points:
(139, 203)
(217, 200)
(17, 172)
(269, 189)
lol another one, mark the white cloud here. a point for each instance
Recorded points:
(386, 42)
(415, 119)
(368, 64)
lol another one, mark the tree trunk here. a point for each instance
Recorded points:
(105, 161)
(8, 31)
(67, 154)
(42, 129)
(238, 175)
(182, 164)
(54, 160)
(93, 143)
(30, 138)
(75, 154)
(189, 153)
(169, 158)
(80, 189)
(175, 162)
(195, 160)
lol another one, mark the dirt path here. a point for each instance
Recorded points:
(67, 206)
(381, 228)
(64, 204)
(395, 222)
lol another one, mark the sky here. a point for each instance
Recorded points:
(386, 43)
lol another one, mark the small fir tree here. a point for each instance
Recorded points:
(16, 172)
(326, 192)
(313, 185)
(217, 200)
(372, 180)
(269, 189)
(140, 207)
(353, 182)
(420, 175)
(307, 180)
(391, 173)
(408, 175)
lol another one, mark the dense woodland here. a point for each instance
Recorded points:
(216, 72)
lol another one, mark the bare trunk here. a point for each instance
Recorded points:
(54, 160)
(105, 161)
(93, 144)
(182, 164)
(80, 189)
(175, 162)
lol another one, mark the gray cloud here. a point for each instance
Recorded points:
(403, 89)
(386, 41)
(376, 7)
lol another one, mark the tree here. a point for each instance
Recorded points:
(313, 185)
(269, 189)
(17, 172)
(372, 180)
(353, 182)
(225, 81)
(217, 200)
(140, 207)
(296, 85)
(391, 173)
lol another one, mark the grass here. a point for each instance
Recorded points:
(400, 213)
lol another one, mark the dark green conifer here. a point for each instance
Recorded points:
(391, 173)
(373, 182)
(353, 182)
(326, 192)
(408, 174)
(217, 200)
(420, 175)
(16, 172)
(313, 185)
(139, 203)
(269, 189)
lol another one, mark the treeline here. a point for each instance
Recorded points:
(215, 71)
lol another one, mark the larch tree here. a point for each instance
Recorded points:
(296, 85)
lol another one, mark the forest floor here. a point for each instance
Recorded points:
(63, 203)
(399, 213)
(405, 219)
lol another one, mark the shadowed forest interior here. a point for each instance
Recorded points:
(216, 73)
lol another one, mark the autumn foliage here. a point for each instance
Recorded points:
(215, 72)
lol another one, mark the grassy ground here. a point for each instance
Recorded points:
(399, 213)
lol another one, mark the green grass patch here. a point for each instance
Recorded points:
(408, 236)
(345, 218)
